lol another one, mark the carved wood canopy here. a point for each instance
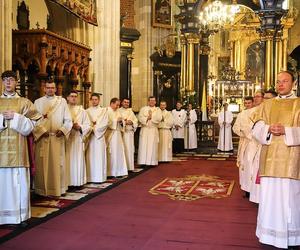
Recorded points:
(52, 55)
(50, 51)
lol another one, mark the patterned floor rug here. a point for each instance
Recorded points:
(193, 187)
(44, 208)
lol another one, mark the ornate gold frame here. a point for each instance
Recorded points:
(153, 14)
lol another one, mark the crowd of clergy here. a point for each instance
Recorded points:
(70, 146)
(268, 159)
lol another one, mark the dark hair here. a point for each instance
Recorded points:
(260, 92)
(9, 73)
(125, 98)
(249, 98)
(50, 81)
(163, 101)
(288, 72)
(96, 95)
(73, 91)
(272, 92)
(151, 97)
(178, 101)
(114, 100)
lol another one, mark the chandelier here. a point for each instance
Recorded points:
(216, 15)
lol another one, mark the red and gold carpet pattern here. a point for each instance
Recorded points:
(193, 187)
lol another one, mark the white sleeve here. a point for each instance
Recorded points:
(157, 116)
(67, 120)
(193, 117)
(21, 124)
(101, 126)
(86, 123)
(2, 123)
(292, 136)
(142, 117)
(260, 132)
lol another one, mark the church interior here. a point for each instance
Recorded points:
(200, 52)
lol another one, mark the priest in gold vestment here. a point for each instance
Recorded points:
(17, 118)
(277, 128)
(50, 136)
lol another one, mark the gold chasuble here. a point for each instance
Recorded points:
(278, 159)
(13, 145)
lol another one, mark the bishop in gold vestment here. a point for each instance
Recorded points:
(14, 159)
(277, 128)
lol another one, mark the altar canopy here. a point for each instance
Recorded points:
(84, 9)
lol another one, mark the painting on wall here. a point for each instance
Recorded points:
(84, 9)
(255, 61)
(162, 13)
(223, 62)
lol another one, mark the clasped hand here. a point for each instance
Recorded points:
(76, 126)
(277, 129)
(8, 114)
(58, 133)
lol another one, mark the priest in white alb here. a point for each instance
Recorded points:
(179, 117)
(50, 137)
(190, 133)
(76, 143)
(252, 154)
(96, 152)
(165, 134)
(130, 126)
(225, 119)
(17, 119)
(149, 117)
(277, 128)
(243, 128)
(116, 160)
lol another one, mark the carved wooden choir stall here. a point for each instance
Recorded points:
(40, 54)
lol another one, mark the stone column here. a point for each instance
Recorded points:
(105, 42)
(142, 72)
(5, 36)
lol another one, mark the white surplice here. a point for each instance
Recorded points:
(149, 137)
(75, 155)
(278, 220)
(15, 181)
(96, 152)
(128, 135)
(50, 178)
(179, 117)
(165, 137)
(190, 133)
(116, 160)
(225, 134)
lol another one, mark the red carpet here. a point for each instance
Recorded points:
(129, 217)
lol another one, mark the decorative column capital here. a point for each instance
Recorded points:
(192, 38)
